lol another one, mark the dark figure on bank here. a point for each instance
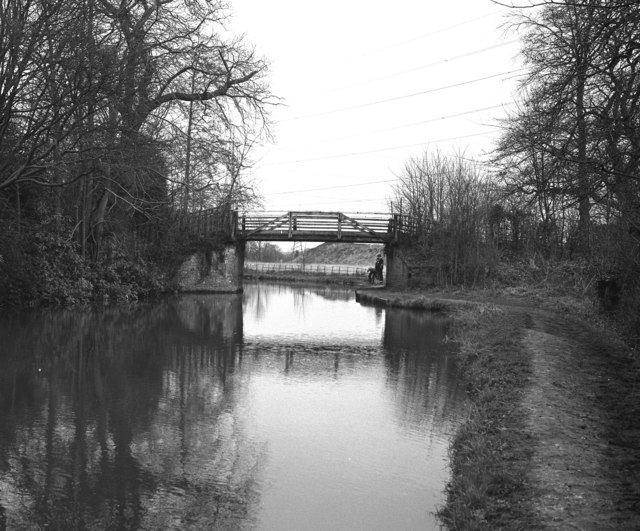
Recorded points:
(371, 275)
(379, 266)
(608, 290)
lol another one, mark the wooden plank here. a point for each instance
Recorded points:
(322, 226)
(319, 236)
(274, 223)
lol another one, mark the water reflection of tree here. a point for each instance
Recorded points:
(123, 419)
(420, 367)
(257, 294)
(255, 300)
(299, 301)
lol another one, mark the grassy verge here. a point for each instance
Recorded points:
(489, 455)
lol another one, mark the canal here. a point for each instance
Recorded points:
(285, 407)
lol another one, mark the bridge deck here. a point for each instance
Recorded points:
(316, 227)
(308, 226)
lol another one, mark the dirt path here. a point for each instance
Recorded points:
(583, 418)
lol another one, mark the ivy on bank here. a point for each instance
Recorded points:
(40, 266)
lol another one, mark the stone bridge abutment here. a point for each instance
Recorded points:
(213, 271)
(398, 274)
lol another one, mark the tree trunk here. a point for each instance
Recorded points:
(584, 204)
(97, 224)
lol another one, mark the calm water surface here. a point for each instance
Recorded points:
(285, 408)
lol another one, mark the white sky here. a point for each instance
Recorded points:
(366, 85)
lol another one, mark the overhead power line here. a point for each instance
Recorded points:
(331, 187)
(356, 57)
(310, 205)
(421, 67)
(367, 183)
(419, 37)
(404, 96)
(404, 126)
(357, 153)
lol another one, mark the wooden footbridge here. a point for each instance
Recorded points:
(207, 271)
(309, 226)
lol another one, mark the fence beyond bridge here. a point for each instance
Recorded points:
(299, 267)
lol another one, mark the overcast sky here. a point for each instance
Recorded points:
(368, 84)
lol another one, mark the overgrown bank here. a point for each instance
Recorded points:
(551, 436)
(42, 265)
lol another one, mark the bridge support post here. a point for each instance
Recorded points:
(397, 271)
(217, 271)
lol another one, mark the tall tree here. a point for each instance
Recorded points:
(92, 94)
(560, 46)
(43, 87)
(169, 52)
(448, 199)
(581, 115)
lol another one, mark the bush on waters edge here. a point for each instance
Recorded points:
(53, 274)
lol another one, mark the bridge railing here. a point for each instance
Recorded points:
(373, 224)
(247, 223)
(209, 221)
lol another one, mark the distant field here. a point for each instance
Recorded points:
(361, 255)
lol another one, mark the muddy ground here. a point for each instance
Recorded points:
(555, 415)
(582, 406)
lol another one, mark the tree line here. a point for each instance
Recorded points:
(116, 116)
(563, 184)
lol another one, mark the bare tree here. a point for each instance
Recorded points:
(168, 52)
(92, 93)
(449, 199)
(574, 145)
(43, 87)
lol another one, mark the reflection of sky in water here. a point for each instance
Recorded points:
(353, 416)
(301, 314)
(342, 459)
